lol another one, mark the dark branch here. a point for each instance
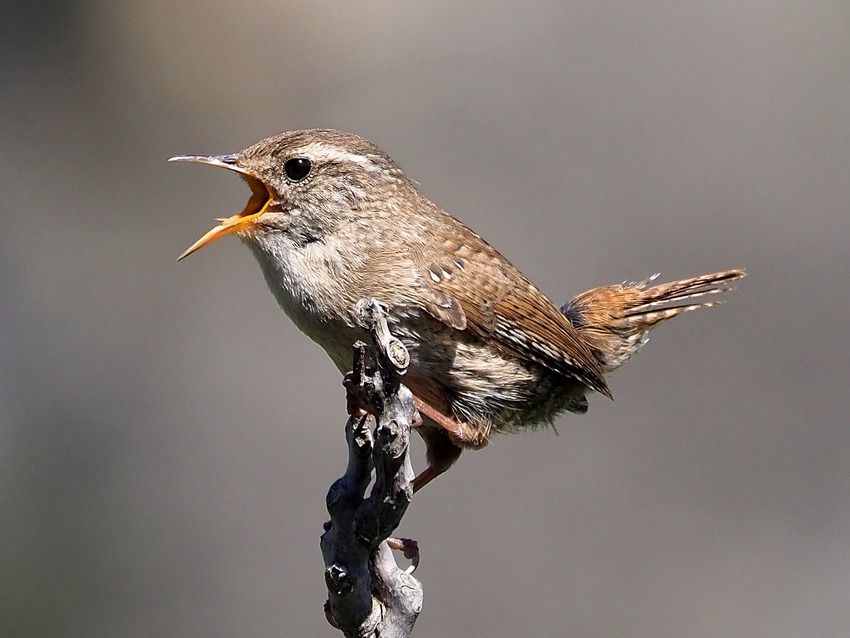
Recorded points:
(368, 594)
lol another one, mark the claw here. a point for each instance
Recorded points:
(409, 549)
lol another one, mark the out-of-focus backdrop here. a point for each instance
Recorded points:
(167, 436)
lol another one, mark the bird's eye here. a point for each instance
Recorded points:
(297, 168)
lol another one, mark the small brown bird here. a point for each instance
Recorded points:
(332, 220)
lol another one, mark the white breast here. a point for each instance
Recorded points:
(309, 283)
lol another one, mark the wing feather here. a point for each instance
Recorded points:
(502, 306)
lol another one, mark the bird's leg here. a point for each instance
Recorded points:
(441, 443)
(449, 425)
(462, 434)
(426, 476)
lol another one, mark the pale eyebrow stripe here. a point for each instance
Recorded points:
(321, 151)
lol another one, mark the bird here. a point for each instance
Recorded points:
(332, 220)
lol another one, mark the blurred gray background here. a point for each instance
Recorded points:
(167, 436)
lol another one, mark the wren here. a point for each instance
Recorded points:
(333, 220)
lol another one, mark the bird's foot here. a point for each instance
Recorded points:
(355, 403)
(409, 549)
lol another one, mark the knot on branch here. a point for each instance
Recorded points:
(371, 315)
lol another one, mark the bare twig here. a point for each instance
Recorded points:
(368, 594)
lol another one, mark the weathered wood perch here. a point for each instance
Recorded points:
(368, 594)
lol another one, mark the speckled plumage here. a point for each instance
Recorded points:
(488, 349)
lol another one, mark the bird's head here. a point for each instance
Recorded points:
(307, 184)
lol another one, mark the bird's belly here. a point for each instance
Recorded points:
(335, 336)
(467, 379)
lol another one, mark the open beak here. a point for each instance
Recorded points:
(258, 204)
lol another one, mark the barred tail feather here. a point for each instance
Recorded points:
(615, 320)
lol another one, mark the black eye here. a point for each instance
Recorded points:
(297, 168)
